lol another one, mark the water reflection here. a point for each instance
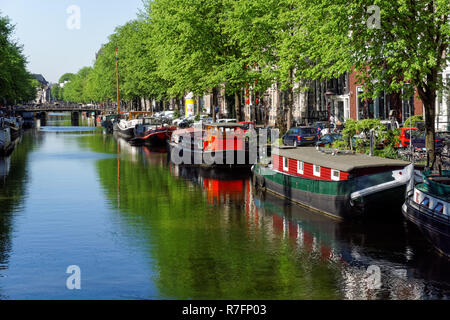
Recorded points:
(143, 228)
(13, 179)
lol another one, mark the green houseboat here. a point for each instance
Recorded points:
(335, 183)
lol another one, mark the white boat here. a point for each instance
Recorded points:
(125, 128)
(5, 137)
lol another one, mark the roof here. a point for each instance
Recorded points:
(229, 125)
(341, 162)
(40, 78)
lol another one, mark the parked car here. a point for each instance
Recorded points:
(300, 136)
(405, 136)
(418, 138)
(328, 139)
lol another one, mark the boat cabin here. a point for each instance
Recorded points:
(434, 194)
(310, 163)
(224, 136)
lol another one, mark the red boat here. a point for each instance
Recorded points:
(152, 133)
(214, 145)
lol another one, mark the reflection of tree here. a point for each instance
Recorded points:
(12, 188)
(204, 251)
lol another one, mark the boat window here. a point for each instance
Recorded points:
(285, 164)
(439, 208)
(426, 202)
(300, 167)
(317, 171)
(335, 175)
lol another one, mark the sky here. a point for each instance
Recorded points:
(55, 41)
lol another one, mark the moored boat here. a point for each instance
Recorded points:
(337, 184)
(427, 206)
(152, 132)
(5, 138)
(213, 145)
(107, 122)
(15, 126)
(125, 128)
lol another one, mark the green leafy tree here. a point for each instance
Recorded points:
(392, 45)
(15, 81)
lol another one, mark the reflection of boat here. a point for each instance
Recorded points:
(219, 185)
(354, 249)
(428, 207)
(5, 164)
(151, 132)
(28, 119)
(125, 128)
(217, 145)
(126, 148)
(338, 185)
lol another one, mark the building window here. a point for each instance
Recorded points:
(335, 175)
(316, 171)
(300, 167)
(285, 164)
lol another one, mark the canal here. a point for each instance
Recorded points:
(141, 228)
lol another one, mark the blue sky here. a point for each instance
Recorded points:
(51, 47)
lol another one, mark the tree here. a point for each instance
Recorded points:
(15, 81)
(392, 45)
(66, 77)
(75, 90)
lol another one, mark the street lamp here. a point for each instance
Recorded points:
(327, 95)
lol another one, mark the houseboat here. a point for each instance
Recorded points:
(5, 137)
(152, 132)
(125, 128)
(15, 126)
(218, 145)
(427, 206)
(339, 184)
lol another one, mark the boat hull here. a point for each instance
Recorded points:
(158, 137)
(436, 229)
(6, 145)
(124, 133)
(238, 159)
(329, 197)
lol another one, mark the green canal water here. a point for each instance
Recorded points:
(141, 228)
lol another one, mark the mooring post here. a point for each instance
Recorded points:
(372, 142)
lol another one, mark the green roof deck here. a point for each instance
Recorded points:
(341, 162)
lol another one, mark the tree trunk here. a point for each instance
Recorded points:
(237, 106)
(199, 109)
(290, 100)
(428, 96)
(430, 116)
(214, 104)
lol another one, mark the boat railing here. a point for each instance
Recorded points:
(427, 211)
